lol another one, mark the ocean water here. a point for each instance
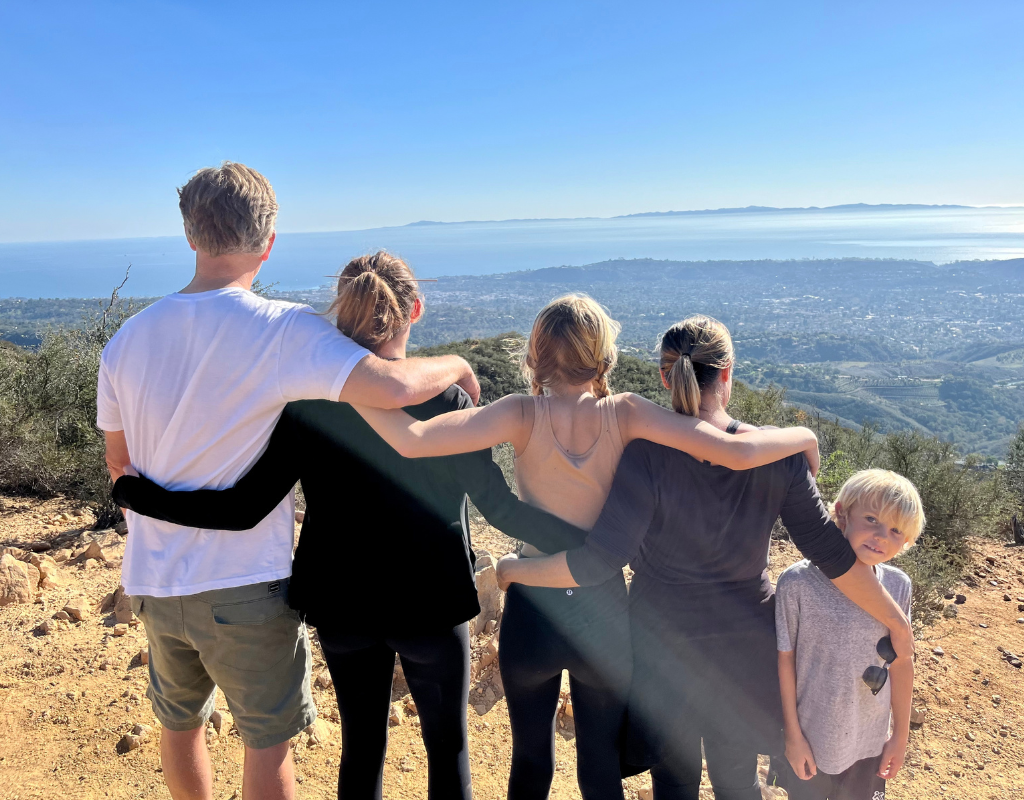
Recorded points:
(303, 260)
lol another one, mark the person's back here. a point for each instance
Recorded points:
(197, 381)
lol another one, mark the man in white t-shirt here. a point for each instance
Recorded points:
(189, 392)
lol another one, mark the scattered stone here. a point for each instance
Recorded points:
(60, 556)
(646, 793)
(122, 606)
(128, 743)
(107, 603)
(1020, 620)
(49, 574)
(970, 736)
(121, 528)
(1020, 606)
(144, 656)
(395, 715)
(484, 559)
(119, 630)
(39, 547)
(319, 733)
(490, 652)
(46, 627)
(62, 616)
(960, 599)
(938, 651)
(480, 709)
(918, 716)
(16, 581)
(949, 595)
(982, 625)
(996, 699)
(91, 551)
(77, 608)
(950, 611)
(300, 516)
(407, 765)
(1007, 598)
(488, 595)
(142, 731)
(323, 680)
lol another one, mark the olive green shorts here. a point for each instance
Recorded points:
(247, 641)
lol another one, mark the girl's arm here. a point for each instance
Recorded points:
(646, 420)
(510, 419)
(550, 571)
(798, 750)
(237, 508)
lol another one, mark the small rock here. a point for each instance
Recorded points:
(982, 625)
(319, 733)
(217, 721)
(991, 560)
(996, 699)
(128, 743)
(60, 556)
(46, 627)
(950, 611)
(91, 551)
(489, 597)
(49, 574)
(107, 603)
(121, 528)
(395, 715)
(122, 606)
(490, 652)
(960, 599)
(39, 547)
(970, 736)
(949, 595)
(119, 630)
(1020, 620)
(62, 616)
(323, 680)
(918, 716)
(300, 516)
(1007, 598)
(480, 709)
(1020, 606)
(938, 651)
(77, 608)
(406, 765)
(142, 731)
(144, 656)
(484, 559)
(976, 671)
(1015, 662)
(16, 581)
(646, 793)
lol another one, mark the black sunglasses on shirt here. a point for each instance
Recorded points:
(874, 676)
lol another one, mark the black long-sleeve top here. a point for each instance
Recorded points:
(683, 521)
(385, 545)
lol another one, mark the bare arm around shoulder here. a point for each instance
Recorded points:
(641, 419)
(381, 383)
(862, 587)
(552, 571)
(510, 419)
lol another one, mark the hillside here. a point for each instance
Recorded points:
(72, 691)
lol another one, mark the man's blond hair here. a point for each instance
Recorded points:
(889, 495)
(230, 209)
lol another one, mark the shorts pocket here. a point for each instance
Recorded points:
(256, 635)
(137, 604)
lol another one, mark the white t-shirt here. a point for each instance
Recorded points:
(197, 383)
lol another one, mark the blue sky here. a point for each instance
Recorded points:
(370, 114)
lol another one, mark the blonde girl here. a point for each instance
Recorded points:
(568, 436)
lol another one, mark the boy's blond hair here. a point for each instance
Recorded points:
(228, 209)
(890, 495)
(572, 342)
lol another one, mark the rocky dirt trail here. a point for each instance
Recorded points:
(74, 720)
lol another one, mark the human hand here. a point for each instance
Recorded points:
(800, 757)
(501, 570)
(813, 458)
(894, 753)
(469, 382)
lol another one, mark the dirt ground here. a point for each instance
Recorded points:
(70, 695)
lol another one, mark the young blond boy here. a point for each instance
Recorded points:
(840, 679)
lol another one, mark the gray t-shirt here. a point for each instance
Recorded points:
(835, 642)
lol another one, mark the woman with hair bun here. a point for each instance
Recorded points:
(371, 514)
(701, 605)
(568, 437)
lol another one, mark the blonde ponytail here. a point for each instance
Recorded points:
(693, 353)
(376, 296)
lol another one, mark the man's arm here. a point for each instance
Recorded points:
(117, 453)
(379, 383)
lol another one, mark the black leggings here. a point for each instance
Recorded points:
(585, 631)
(732, 769)
(437, 670)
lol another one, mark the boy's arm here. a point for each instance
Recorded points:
(901, 676)
(380, 383)
(117, 457)
(798, 750)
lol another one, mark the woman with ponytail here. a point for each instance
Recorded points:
(568, 437)
(701, 605)
(371, 514)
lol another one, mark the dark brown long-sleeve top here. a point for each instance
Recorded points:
(683, 521)
(385, 545)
